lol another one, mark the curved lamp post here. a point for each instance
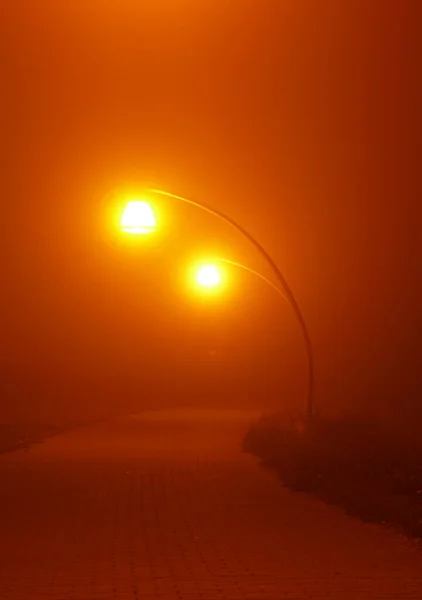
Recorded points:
(144, 222)
(256, 273)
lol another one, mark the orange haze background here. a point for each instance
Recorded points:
(299, 119)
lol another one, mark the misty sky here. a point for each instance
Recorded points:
(296, 118)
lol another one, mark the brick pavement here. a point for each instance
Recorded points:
(164, 505)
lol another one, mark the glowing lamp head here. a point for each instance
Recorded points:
(138, 218)
(208, 276)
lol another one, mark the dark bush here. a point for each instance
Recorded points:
(353, 461)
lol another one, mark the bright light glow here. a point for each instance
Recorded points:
(208, 276)
(138, 217)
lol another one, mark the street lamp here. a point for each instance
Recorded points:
(208, 276)
(239, 266)
(144, 222)
(138, 218)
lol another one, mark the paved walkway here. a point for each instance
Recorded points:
(164, 505)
